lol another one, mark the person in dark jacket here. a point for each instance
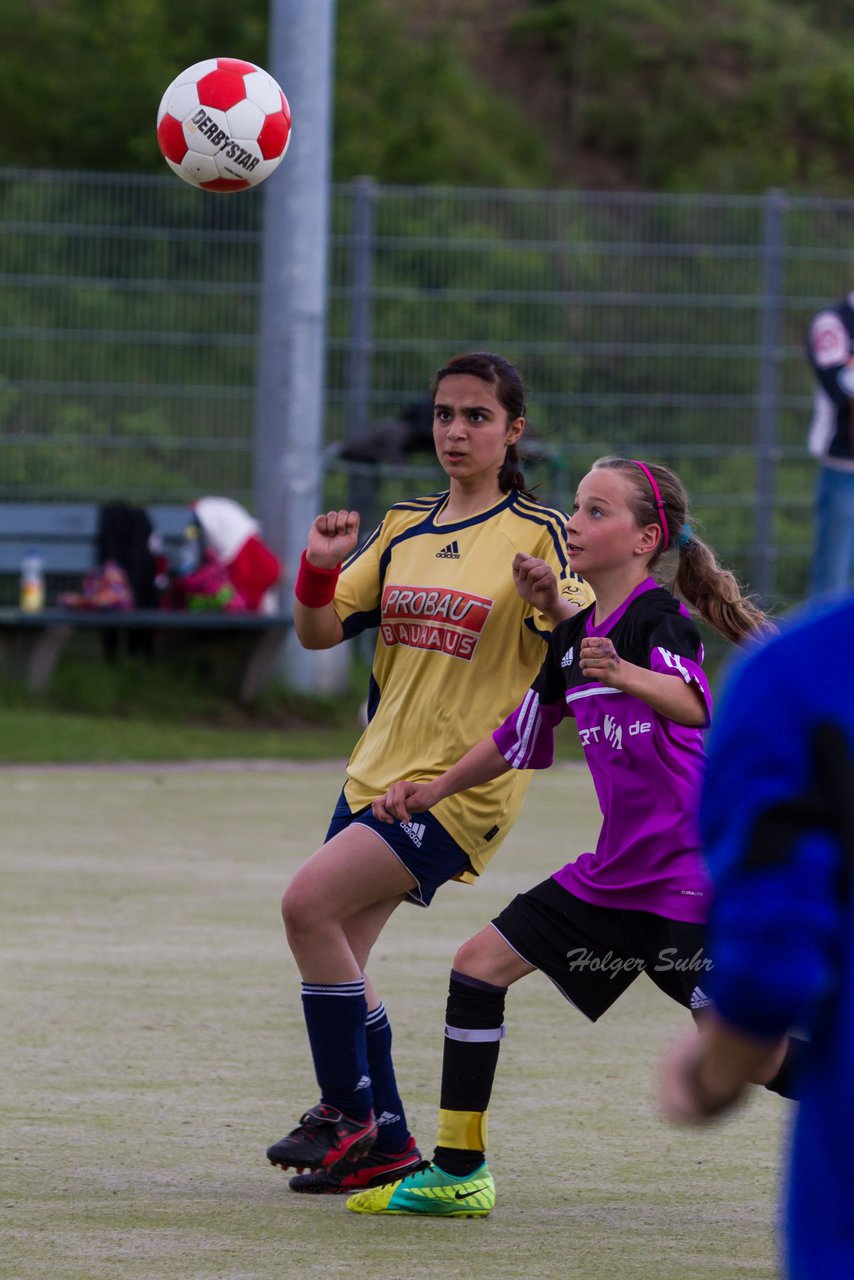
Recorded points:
(830, 346)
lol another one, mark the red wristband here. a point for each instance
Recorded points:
(314, 586)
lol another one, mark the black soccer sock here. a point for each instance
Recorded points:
(787, 1080)
(474, 1027)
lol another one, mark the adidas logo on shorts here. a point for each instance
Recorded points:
(415, 831)
(450, 552)
(699, 999)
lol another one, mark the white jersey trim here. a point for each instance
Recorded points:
(590, 693)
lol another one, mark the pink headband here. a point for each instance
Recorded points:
(658, 502)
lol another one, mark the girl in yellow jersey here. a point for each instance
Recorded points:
(461, 586)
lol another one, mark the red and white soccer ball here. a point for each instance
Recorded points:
(224, 125)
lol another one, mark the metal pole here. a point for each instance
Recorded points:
(770, 357)
(361, 489)
(292, 339)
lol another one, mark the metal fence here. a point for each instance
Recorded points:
(664, 326)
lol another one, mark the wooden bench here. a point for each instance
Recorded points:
(243, 646)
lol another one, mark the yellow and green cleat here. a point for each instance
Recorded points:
(431, 1191)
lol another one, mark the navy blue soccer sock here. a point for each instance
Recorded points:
(393, 1130)
(335, 1018)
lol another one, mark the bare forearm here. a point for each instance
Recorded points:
(707, 1071)
(480, 764)
(331, 539)
(730, 1059)
(560, 610)
(317, 628)
(669, 695)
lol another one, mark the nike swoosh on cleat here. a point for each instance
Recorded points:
(464, 1195)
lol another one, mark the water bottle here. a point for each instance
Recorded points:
(32, 582)
(190, 551)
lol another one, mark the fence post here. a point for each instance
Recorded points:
(361, 490)
(770, 357)
(288, 470)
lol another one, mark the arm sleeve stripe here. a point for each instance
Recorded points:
(355, 623)
(534, 511)
(526, 730)
(526, 504)
(542, 632)
(556, 533)
(363, 548)
(552, 519)
(420, 504)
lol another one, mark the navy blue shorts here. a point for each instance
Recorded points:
(422, 845)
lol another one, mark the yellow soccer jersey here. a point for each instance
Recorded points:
(456, 649)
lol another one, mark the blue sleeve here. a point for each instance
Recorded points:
(773, 850)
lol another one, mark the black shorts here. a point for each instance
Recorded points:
(593, 954)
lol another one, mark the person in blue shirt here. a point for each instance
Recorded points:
(777, 818)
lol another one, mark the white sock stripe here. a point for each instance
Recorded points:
(336, 989)
(357, 982)
(376, 1015)
(475, 1035)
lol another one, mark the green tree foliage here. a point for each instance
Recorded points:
(735, 96)
(654, 94)
(415, 111)
(80, 83)
(82, 80)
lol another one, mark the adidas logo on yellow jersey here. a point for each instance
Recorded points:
(450, 552)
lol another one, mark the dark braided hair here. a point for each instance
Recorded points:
(510, 390)
(698, 577)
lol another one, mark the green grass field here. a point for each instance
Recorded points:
(153, 1046)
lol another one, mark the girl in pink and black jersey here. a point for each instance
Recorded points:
(628, 670)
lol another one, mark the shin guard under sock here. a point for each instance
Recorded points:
(474, 1027)
(393, 1133)
(335, 1019)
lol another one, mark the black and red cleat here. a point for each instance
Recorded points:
(324, 1136)
(373, 1170)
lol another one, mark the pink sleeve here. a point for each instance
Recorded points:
(526, 738)
(676, 664)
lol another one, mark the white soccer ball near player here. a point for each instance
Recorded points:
(224, 125)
